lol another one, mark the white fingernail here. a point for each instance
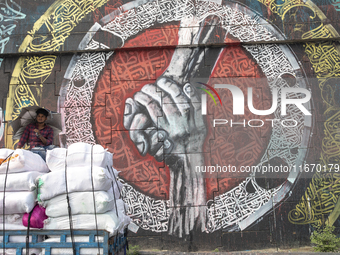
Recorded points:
(167, 144)
(128, 109)
(140, 147)
(160, 136)
(187, 89)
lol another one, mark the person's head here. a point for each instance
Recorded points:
(41, 115)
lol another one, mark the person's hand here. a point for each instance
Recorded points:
(164, 119)
(37, 132)
(166, 116)
(170, 121)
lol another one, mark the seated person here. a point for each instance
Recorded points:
(38, 135)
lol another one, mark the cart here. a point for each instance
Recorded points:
(110, 245)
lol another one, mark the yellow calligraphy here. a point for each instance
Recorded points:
(322, 195)
(59, 20)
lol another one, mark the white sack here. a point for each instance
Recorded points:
(11, 227)
(116, 184)
(123, 218)
(80, 203)
(24, 161)
(11, 219)
(78, 179)
(69, 251)
(117, 187)
(19, 182)
(107, 221)
(114, 172)
(31, 251)
(78, 154)
(17, 202)
(16, 227)
(20, 239)
(55, 159)
(4, 153)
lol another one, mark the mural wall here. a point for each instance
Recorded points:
(223, 116)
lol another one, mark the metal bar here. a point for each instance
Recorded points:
(34, 238)
(92, 239)
(63, 238)
(18, 251)
(48, 251)
(106, 244)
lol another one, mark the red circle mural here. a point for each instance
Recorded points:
(127, 71)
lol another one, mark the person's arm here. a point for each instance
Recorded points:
(42, 138)
(24, 138)
(49, 139)
(45, 140)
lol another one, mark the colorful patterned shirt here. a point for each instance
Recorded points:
(34, 141)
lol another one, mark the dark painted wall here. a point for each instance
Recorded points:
(141, 78)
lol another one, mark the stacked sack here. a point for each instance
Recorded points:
(18, 171)
(84, 173)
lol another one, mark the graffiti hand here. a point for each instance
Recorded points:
(169, 121)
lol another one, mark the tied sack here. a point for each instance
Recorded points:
(78, 179)
(23, 161)
(80, 203)
(17, 202)
(37, 218)
(19, 181)
(125, 220)
(107, 221)
(78, 154)
(11, 219)
(69, 251)
(116, 188)
(4, 153)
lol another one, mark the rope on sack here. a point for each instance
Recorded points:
(120, 195)
(3, 201)
(114, 197)
(94, 199)
(69, 208)
(120, 192)
(28, 232)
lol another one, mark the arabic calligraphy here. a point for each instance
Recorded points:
(60, 19)
(145, 211)
(224, 211)
(323, 192)
(10, 13)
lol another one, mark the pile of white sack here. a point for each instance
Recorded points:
(18, 171)
(84, 173)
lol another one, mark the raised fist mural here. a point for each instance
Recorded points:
(165, 120)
